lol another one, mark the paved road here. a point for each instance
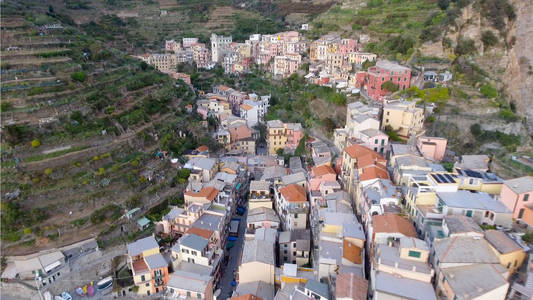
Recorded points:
(233, 262)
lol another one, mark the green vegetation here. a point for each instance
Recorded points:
(389, 86)
(527, 237)
(509, 141)
(392, 134)
(110, 211)
(489, 39)
(488, 91)
(432, 95)
(79, 76)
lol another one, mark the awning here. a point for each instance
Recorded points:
(238, 186)
(52, 266)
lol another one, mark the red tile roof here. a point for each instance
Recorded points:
(206, 234)
(209, 193)
(393, 224)
(139, 266)
(202, 148)
(246, 297)
(374, 172)
(323, 170)
(239, 133)
(293, 193)
(364, 156)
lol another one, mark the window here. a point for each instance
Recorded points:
(469, 213)
(148, 293)
(285, 245)
(285, 251)
(521, 213)
(415, 254)
(376, 141)
(142, 277)
(388, 113)
(294, 253)
(171, 290)
(526, 197)
(471, 181)
(508, 265)
(199, 296)
(193, 253)
(387, 121)
(188, 294)
(147, 284)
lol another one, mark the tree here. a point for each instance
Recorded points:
(443, 4)
(489, 39)
(5, 106)
(48, 171)
(79, 76)
(368, 63)
(475, 129)
(389, 86)
(465, 46)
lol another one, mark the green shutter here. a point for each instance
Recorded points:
(414, 254)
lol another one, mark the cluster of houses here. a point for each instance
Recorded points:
(384, 220)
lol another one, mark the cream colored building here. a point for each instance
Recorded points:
(404, 118)
(257, 262)
(259, 194)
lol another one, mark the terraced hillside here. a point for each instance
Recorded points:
(83, 130)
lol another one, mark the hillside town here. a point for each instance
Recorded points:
(281, 214)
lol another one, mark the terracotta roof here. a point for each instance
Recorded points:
(246, 297)
(323, 170)
(240, 132)
(393, 223)
(351, 286)
(351, 252)
(139, 266)
(246, 106)
(209, 193)
(294, 193)
(364, 156)
(373, 172)
(202, 148)
(206, 234)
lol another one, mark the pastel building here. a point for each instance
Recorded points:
(403, 117)
(292, 206)
(516, 195)
(382, 72)
(283, 135)
(149, 267)
(432, 148)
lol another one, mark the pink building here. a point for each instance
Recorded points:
(432, 147)
(516, 194)
(374, 139)
(294, 133)
(347, 46)
(321, 174)
(382, 72)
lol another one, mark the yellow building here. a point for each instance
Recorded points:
(479, 181)
(276, 138)
(511, 255)
(404, 118)
(148, 266)
(257, 262)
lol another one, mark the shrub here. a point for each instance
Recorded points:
(527, 237)
(35, 143)
(443, 4)
(5, 106)
(79, 76)
(475, 129)
(389, 86)
(48, 171)
(489, 39)
(465, 46)
(489, 91)
(508, 115)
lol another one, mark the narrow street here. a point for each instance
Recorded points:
(230, 269)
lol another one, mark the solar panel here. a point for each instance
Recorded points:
(449, 178)
(471, 173)
(442, 179)
(436, 178)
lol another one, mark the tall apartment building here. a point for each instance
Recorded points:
(283, 135)
(219, 45)
(404, 118)
(149, 267)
